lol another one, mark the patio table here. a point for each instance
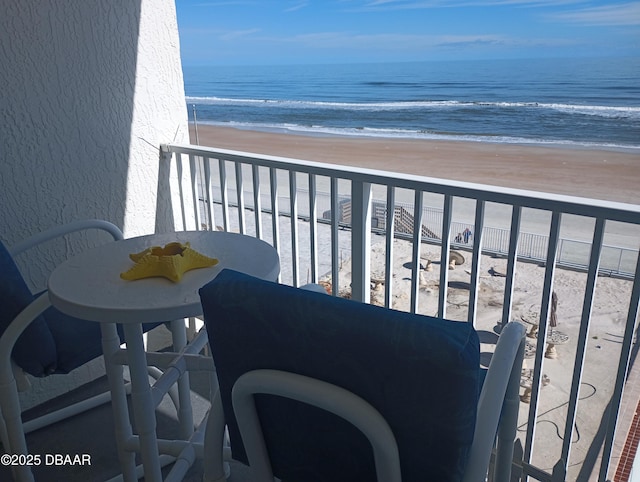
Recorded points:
(89, 286)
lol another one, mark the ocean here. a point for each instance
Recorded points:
(573, 102)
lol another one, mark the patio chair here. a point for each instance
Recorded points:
(386, 395)
(38, 340)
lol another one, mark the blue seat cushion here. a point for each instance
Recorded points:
(78, 341)
(35, 349)
(420, 373)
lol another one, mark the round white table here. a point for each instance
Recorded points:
(89, 286)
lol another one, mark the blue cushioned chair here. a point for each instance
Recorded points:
(318, 388)
(37, 339)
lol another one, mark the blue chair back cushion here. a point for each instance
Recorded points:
(35, 349)
(420, 373)
(78, 341)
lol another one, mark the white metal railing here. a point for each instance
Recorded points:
(279, 200)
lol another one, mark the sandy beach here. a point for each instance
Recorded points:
(611, 175)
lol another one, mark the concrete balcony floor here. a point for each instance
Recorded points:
(92, 433)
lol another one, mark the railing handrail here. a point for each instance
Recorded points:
(612, 210)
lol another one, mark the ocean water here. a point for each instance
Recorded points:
(579, 102)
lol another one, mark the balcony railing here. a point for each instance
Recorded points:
(377, 236)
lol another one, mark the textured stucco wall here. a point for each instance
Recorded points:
(159, 115)
(90, 89)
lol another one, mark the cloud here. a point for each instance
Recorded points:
(225, 4)
(430, 4)
(392, 42)
(619, 14)
(236, 34)
(298, 6)
(414, 44)
(471, 41)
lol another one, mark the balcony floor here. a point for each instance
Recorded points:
(92, 433)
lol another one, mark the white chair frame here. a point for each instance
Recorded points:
(13, 379)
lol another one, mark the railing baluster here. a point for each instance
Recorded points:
(390, 236)
(415, 256)
(240, 198)
(585, 322)
(335, 247)
(209, 194)
(313, 228)
(275, 212)
(194, 192)
(545, 308)
(224, 194)
(476, 256)
(180, 171)
(514, 238)
(293, 206)
(619, 269)
(444, 256)
(257, 201)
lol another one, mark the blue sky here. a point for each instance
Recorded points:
(281, 32)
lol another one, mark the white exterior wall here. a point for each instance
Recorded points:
(159, 116)
(90, 89)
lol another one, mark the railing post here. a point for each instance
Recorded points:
(360, 240)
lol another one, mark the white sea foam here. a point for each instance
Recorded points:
(595, 110)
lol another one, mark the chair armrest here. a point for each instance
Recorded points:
(66, 229)
(318, 393)
(498, 403)
(15, 329)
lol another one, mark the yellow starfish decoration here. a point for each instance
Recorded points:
(170, 261)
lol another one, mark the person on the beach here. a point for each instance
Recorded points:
(467, 235)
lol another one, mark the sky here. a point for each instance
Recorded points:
(285, 32)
